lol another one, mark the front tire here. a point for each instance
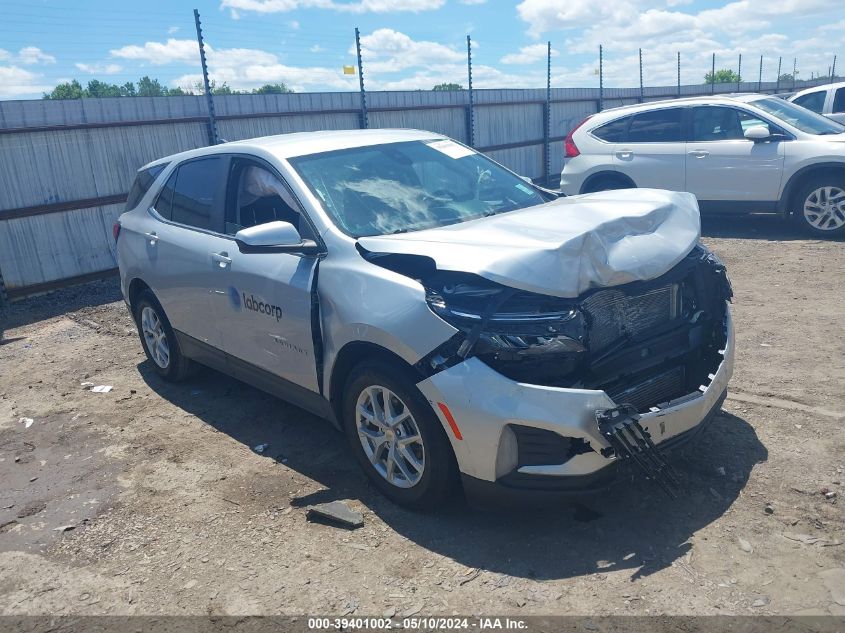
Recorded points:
(396, 437)
(159, 340)
(819, 207)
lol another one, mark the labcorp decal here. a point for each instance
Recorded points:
(239, 299)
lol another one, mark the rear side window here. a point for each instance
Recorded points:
(613, 132)
(143, 181)
(813, 101)
(839, 101)
(164, 202)
(656, 126)
(197, 183)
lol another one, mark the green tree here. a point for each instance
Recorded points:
(272, 89)
(67, 90)
(723, 76)
(786, 78)
(447, 87)
(150, 87)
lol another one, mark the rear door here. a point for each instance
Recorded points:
(184, 245)
(265, 303)
(722, 165)
(814, 101)
(652, 154)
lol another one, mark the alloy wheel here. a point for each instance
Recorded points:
(824, 208)
(155, 337)
(390, 436)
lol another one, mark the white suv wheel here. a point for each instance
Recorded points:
(824, 208)
(155, 337)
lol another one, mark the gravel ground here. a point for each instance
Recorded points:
(149, 499)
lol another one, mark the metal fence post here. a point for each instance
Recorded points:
(739, 72)
(642, 91)
(601, 78)
(547, 119)
(794, 71)
(760, 76)
(833, 69)
(777, 82)
(365, 119)
(471, 108)
(679, 74)
(213, 136)
(713, 75)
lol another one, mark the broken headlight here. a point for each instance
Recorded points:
(520, 334)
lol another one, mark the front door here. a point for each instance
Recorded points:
(266, 307)
(722, 165)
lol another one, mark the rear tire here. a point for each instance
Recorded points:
(396, 437)
(159, 340)
(819, 206)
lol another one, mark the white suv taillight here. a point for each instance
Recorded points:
(570, 148)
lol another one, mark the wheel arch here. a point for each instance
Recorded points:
(609, 175)
(800, 177)
(136, 287)
(345, 361)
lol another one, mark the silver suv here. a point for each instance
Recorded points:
(451, 318)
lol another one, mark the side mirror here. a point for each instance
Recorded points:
(758, 133)
(274, 237)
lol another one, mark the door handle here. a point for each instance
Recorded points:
(152, 236)
(699, 153)
(222, 259)
(625, 153)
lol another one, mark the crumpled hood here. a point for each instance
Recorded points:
(566, 246)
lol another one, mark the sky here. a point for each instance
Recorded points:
(409, 44)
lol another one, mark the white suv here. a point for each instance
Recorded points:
(737, 154)
(828, 100)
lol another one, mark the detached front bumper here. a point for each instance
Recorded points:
(484, 404)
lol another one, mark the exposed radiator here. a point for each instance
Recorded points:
(615, 314)
(651, 391)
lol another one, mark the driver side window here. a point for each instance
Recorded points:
(256, 195)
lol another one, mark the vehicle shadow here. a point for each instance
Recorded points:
(633, 525)
(58, 302)
(761, 226)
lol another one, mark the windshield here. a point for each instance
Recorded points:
(799, 117)
(412, 185)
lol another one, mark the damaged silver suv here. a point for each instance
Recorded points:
(459, 324)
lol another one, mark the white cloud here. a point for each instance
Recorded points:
(172, 30)
(294, 24)
(99, 69)
(359, 6)
(15, 82)
(529, 54)
(316, 49)
(160, 53)
(473, 1)
(386, 51)
(28, 55)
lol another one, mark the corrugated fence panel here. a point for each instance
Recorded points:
(498, 125)
(566, 116)
(448, 121)
(237, 129)
(64, 165)
(526, 161)
(56, 246)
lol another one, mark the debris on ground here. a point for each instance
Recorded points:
(769, 509)
(102, 388)
(64, 528)
(260, 448)
(762, 601)
(27, 422)
(86, 385)
(744, 545)
(335, 513)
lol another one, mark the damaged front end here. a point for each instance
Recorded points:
(646, 345)
(643, 343)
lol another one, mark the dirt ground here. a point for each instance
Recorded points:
(149, 499)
